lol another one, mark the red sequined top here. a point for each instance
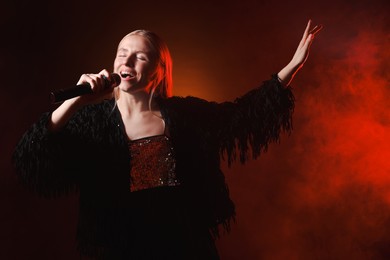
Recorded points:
(152, 163)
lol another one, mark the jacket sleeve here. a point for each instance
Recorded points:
(49, 163)
(254, 120)
(242, 129)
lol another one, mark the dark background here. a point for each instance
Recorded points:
(322, 193)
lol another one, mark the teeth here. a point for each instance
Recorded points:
(127, 74)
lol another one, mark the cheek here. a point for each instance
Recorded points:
(116, 63)
(147, 70)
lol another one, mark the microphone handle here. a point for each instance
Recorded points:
(61, 95)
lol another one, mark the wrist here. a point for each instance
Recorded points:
(286, 75)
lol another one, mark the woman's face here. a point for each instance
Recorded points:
(135, 62)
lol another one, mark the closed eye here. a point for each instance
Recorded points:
(141, 58)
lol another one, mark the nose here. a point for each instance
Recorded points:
(130, 61)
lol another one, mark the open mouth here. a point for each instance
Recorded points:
(127, 74)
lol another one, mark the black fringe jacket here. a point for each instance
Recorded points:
(91, 153)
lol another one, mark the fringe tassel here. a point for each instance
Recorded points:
(256, 120)
(37, 155)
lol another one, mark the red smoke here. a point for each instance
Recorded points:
(324, 193)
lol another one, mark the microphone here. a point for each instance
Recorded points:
(57, 96)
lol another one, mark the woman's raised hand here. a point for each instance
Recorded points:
(300, 55)
(303, 49)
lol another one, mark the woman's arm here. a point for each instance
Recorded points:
(49, 158)
(256, 119)
(65, 111)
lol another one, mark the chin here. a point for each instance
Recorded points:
(127, 90)
(124, 86)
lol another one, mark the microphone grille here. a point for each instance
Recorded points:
(115, 79)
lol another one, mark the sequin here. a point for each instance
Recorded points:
(152, 163)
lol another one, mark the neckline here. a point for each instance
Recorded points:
(166, 132)
(147, 137)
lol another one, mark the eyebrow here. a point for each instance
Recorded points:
(122, 49)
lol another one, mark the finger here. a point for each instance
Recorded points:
(106, 74)
(83, 79)
(316, 29)
(97, 85)
(305, 34)
(100, 81)
(88, 79)
(308, 43)
(110, 79)
(95, 81)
